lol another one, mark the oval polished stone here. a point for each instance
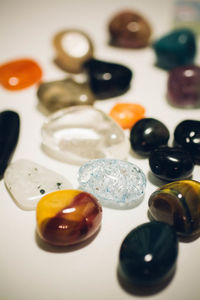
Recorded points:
(176, 48)
(184, 86)
(148, 254)
(187, 135)
(28, 181)
(148, 134)
(9, 134)
(80, 133)
(68, 217)
(115, 183)
(171, 163)
(59, 94)
(178, 204)
(129, 29)
(73, 48)
(108, 79)
(19, 74)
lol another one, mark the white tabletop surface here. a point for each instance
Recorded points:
(29, 270)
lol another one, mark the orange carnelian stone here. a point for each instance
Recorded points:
(127, 114)
(19, 74)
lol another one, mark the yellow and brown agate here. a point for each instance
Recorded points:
(178, 204)
(67, 217)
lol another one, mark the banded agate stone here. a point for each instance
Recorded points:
(178, 204)
(116, 183)
(80, 133)
(59, 94)
(68, 217)
(148, 254)
(28, 181)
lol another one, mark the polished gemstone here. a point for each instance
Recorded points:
(68, 217)
(129, 29)
(178, 204)
(184, 86)
(176, 48)
(171, 163)
(9, 133)
(19, 74)
(148, 254)
(80, 133)
(73, 48)
(148, 134)
(115, 183)
(108, 79)
(187, 135)
(127, 114)
(59, 94)
(28, 181)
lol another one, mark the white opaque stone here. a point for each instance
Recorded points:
(81, 133)
(28, 182)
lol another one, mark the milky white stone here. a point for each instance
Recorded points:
(28, 182)
(81, 133)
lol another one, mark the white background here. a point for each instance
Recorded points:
(30, 270)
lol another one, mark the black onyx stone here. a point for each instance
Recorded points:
(148, 254)
(176, 48)
(9, 132)
(148, 134)
(187, 135)
(171, 163)
(108, 79)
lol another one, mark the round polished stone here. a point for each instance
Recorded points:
(187, 135)
(184, 86)
(73, 48)
(171, 163)
(148, 134)
(176, 48)
(129, 29)
(148, 254)
(68, 217)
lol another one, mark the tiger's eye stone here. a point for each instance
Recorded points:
(184, 86)
(148, 134)
(176, 48)
(108, 79)
(148, 254)
(19, 74)
(171, 163)
(68, 217)
(56, 95)
(127, 114)
(178, 204)
(73, 48)
(187, 135)
(129, 29)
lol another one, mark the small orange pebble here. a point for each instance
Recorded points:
(127, 114)
(19, 74)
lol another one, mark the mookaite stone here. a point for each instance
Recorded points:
(59, 94)
(73, 47)
(80, 133)
(129, 29)
(28, 182)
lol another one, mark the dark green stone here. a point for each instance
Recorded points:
(148, 254)
(176, 48)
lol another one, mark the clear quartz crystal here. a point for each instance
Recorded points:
(114, 183)
(81, 133)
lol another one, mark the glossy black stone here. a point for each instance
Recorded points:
(148, 134)
(148, 254)
(108, 79)
(171, 163)
(187, 135)
(9, 132)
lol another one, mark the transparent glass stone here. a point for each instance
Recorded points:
(115, 183)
